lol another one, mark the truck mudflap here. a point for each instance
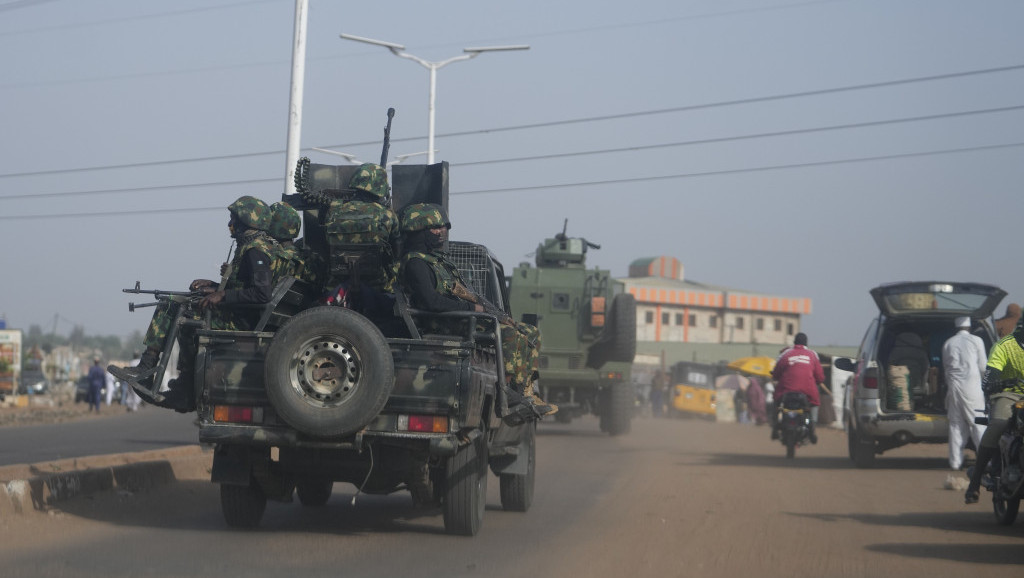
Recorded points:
(509, 450)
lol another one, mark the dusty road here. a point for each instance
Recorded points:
(674, 498)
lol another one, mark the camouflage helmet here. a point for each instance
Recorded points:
(370, 178)
(251, 211)
(284, 221)
(423, 216)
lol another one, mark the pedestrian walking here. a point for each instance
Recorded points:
(963, 361)
(97, 379)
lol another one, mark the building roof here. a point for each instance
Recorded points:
(662, 290)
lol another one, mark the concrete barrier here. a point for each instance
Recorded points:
(27, 488)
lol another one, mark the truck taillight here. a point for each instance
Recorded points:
(870, 383)
(423, 423)
(613, 375)
(232, 413)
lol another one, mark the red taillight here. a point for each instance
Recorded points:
(232, 413)
(870, 383)
(427, 423)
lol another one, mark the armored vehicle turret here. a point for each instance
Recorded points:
(588, 328)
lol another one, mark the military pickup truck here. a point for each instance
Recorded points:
(319, 394)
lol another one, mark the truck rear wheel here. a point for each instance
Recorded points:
(517, 489)
(328, 372)
(465, 495)
(242, 506)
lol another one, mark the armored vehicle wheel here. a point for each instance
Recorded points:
(328, 371)
(619, 409)
(1005, 510)
(242, 506)
(517, 489)
(862, 452)
(465, 495)
(313, 492)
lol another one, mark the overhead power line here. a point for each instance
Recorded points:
(565, 185)
(548, 124)
(556, 155)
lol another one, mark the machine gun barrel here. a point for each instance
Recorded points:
(387, 139)
(161, 296)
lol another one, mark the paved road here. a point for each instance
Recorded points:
(147, 429)
(674, 498)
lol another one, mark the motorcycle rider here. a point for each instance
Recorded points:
(798, 369)
(1005, 362)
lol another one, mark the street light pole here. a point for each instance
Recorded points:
(295, 98)
(399, 50)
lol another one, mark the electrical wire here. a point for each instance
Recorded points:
(548, 124)
(566, 185)
(552, 155)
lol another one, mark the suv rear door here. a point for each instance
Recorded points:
(975, 300)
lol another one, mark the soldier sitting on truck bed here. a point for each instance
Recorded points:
(362, 244)
(248, 280)
(285, 224)
(435, 284)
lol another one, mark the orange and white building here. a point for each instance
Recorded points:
(673, 310)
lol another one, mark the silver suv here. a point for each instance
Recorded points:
(897, 393)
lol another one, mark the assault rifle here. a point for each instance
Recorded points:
(462, 292)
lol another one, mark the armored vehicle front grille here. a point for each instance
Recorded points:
(575, 361)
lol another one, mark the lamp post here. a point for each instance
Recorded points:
(399, 50)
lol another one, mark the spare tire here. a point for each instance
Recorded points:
(623, 314)
(328, 372)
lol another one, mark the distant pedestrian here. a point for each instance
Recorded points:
(756, 402)
(964, 361)
(129, 399)
(109, 385)
(97, 379)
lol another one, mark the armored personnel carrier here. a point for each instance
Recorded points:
(588, 330)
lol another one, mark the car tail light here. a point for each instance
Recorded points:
(423, 423)
(232, 413)
(870, 382)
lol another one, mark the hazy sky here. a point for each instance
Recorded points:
(813, 149)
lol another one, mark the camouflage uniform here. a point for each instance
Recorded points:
(285, 224)
(365, 222)
(253, 212)
(520, 342)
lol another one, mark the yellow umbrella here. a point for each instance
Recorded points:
(762, 365)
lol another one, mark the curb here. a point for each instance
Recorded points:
(27, 488)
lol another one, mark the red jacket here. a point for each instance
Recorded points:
(798, 369)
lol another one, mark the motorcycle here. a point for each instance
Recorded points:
(794, 419)
(1005, 474)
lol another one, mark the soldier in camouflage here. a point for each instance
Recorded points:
(362, 223)
(247, 280)
(285, 224)
(435, 284)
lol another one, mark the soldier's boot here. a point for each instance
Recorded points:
(542, 406)
(138, 375)
(180, 395)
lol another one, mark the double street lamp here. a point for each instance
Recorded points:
(399, 50)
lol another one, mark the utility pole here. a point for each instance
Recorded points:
(295, 99)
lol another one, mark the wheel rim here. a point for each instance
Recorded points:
(325, 371)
